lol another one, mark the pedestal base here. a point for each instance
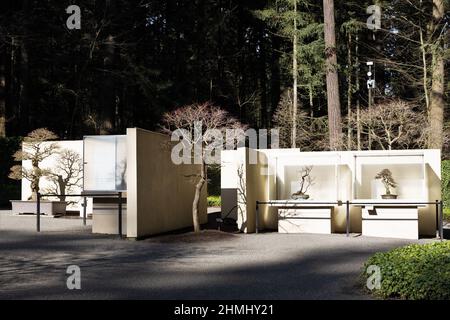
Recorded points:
(105, 216)
(305, 220)
(391, 222)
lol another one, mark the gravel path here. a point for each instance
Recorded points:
(212, 265)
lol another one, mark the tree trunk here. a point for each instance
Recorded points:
(425, 69)
(12, 84)
(358, 95)
(295, 79)
(108, 103)
(334, 105)
(62, 188)
(263, 82)
(349, 91)
(196, 202)
(23, 87)
(275, 80)
(437, 102)
(2, 95)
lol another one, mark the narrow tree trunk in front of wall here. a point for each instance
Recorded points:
(437, 102)
(196, 202)
(334, 105)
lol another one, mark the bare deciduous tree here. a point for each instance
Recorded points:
(211, 118)
(67, 174)
(35, 149)
(395, 125)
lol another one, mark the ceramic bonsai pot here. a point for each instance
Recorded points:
(300, 196)
(389, 196)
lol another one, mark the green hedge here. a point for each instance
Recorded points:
(447, 214)
(9, 189)
(214, 201)
(446, 183)
(414, 272)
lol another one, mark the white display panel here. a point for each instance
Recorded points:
(105, 163)
(323, 187)
(325, 173)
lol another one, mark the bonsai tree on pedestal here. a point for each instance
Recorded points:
(35, 150)
(67, 175)
(388, 181)
(306, 181)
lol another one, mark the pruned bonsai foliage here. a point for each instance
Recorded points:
(35, 150)
(388, 181)
(306, 182)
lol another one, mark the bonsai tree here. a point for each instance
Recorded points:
(306, 181)
(67, 174)
(387, 179)
(34, 149)
(211, 118)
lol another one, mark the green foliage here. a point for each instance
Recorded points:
(415, 272)
(446, 183)
(447, 214)
(280, 17)
(9, 189)
(214, 201)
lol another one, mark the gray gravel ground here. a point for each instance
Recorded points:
(209, 266)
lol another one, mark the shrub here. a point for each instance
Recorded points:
(447, 214)
(414, 272)
(9, 189)
(214, 201)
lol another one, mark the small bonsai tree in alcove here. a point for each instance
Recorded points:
(388, 181)
(35, 149)
(306, 182)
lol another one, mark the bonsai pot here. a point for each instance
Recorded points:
(389, 196)
(300, 196)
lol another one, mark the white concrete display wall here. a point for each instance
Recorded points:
(338, 176)
(159, 193)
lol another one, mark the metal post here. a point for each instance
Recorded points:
(38, 212)
(120, 214)
(84, 210)
(348, 218)
(257, 217)
(441, 221)
(438, 230)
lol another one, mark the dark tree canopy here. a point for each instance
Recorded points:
(132, 61)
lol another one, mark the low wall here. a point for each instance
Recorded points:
(254, 185)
